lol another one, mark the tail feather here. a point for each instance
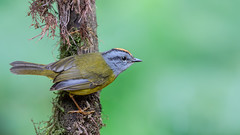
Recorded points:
(23, 63)
(26, 68)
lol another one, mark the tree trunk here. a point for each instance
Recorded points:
(78, 35)
(78, 26)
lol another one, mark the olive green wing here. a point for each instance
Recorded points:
(72, 73)
(79, 82)
(66, 69)
(61, 65)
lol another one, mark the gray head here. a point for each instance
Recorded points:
(119, 59)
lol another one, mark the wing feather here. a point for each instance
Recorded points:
(74, 84)
(62, 65)
(72, 73)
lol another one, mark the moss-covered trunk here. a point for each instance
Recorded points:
(77, 23)
(78, 36)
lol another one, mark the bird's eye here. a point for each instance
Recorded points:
(124, 58)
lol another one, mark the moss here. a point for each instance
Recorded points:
(51, 127)
(74, 45)
(77, 37)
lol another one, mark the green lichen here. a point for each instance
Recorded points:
(71, 48)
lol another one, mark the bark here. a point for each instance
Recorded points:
(77, 23)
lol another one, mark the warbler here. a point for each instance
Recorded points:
(80, 74)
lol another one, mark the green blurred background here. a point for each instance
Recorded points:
(188, 84)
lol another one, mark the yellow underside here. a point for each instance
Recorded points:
(90, 91)
(84, 92)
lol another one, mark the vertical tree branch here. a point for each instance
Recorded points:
(77, 19)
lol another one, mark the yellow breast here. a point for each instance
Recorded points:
(90, 91)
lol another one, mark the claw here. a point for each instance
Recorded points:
(82, 111)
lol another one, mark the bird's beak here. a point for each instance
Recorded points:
(136, 60)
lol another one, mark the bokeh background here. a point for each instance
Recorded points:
(188, 84)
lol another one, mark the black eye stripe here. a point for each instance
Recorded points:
(119, 58)
(114, 58)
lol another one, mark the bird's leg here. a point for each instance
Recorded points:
(82, 111)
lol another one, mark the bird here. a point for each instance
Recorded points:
(80, 74)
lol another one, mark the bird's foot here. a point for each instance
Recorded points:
(82, 111)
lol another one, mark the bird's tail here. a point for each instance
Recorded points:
(27, 68)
